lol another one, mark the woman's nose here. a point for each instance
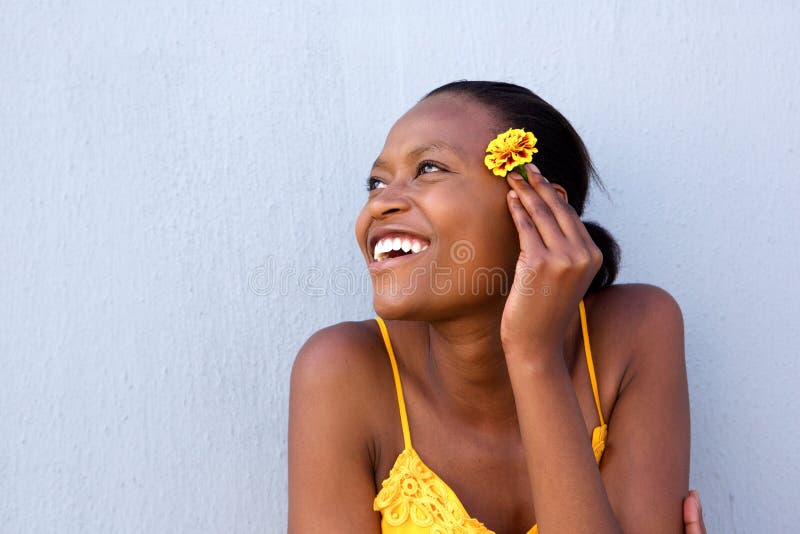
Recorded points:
(389, 200)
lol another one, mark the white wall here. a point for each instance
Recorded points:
(152, 181)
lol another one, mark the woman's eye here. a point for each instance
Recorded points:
(374, 183)
(427, 167)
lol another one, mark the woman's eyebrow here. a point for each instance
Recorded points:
(417, 152)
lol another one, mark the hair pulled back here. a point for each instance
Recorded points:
(562, 156)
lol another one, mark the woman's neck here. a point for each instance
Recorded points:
(467, 367)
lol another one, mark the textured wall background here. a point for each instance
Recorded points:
(169, 240)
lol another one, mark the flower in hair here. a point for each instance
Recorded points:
(510, 151)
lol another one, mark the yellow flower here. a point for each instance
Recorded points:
(511, 149)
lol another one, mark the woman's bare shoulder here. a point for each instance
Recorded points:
(339, 389)
(345, 354)
(639, 326)
(633, 299)
(635, 309)
(640, 307)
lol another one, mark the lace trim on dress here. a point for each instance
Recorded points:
(412, 491)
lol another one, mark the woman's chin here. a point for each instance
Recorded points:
(398, 308)
(429, 308)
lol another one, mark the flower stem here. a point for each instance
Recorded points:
(521, 170)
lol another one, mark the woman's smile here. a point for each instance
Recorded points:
(391, 246)
(387, 242)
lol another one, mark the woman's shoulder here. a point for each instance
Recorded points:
(635, 327)
(635, 303)
(639, 311)
(340, 353)
(345, 365)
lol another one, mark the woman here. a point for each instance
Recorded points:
(487, 290)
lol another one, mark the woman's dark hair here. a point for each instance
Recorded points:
(562, 156)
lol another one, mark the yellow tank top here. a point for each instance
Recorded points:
(414, 500)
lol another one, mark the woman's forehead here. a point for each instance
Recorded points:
(455, 120)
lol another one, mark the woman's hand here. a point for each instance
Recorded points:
(693, 514)
(557, 263)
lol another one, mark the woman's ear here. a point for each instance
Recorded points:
(561, 191)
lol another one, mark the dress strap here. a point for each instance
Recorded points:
(589, 361)
(401, 403)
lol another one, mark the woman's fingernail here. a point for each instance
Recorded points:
(516, 176)
(513, 194)
(535, 169)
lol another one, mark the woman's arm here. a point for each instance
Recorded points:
(331, 482)
(645, 467)
(646, 470)
(568, 492)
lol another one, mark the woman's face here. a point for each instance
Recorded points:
(431, 193)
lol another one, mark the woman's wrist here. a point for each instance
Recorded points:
(539, 359)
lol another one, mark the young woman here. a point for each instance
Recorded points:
(507, 385)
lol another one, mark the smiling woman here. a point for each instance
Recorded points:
(487, 290)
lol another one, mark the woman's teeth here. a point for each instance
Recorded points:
(389, 244)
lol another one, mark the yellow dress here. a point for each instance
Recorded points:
(414, 500)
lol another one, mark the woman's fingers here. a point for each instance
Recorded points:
(693, 514)
(554, 218)
(559, 227)
(567, 217)
(529, 239)
(538, 210)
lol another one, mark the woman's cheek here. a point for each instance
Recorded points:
(361, 227)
